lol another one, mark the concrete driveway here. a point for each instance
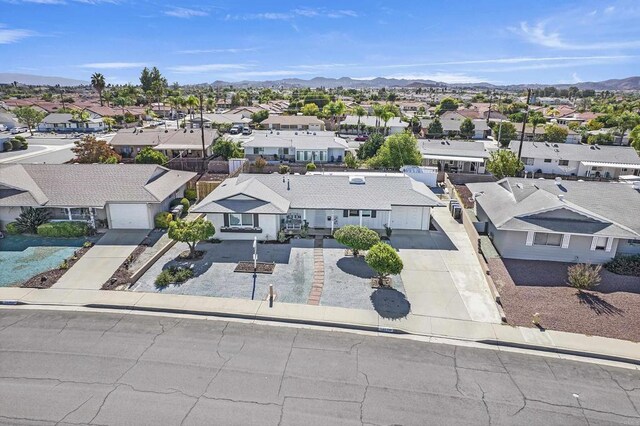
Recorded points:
(102, 260)
(442, 276)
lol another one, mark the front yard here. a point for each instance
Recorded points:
(529, 287)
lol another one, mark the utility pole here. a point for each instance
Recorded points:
(524, 123)
(204, 154)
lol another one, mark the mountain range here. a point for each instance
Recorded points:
(630, 83)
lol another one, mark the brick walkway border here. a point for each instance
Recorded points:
(318, 273)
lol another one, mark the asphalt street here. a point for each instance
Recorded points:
(61, 367)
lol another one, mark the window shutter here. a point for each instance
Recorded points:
(373, 214)
(226, 220)
(256, 222)
(594, 242)
(565, 240)
(345, 213)
(530, 238)
(609, 244)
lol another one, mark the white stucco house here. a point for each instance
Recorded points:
(118, 196)
(294, 146)
(578, 160)
(454, 156)
(555, 220)
(63, 122)
(260, 205)
(293, 122)
(350, 124)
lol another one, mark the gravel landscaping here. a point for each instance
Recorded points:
(527, 287)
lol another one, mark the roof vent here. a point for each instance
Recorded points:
(191, 131)
(296, 133)
(140, 130)
(441, 142)
(592, 147)
(558, 181)
(166, 131)
(561, 197)
(356, 180)
(546, 144)
(314, 133)
(598, 147)
(555, 145)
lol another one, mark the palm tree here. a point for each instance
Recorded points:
(98, 83)
(175, 102)
(360, 112)
(192, 103)
(378, 110)
(386, 116)
(535, 120)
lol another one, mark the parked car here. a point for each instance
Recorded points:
(17, 130)
(361, 138)
(3, 127)
(247, 131)
(235, 130)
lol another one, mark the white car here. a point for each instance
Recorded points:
(17, 130)
(3, 127)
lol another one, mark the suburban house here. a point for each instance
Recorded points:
(451, 127)
(293, 122)
(261, 205)
(578, 160)
(215, 120)
(118, 196)
(245, 111)
(294, 146)
(564, 221)
(350, 124)
(454, 156)
(63, 122)
(185, 143)
(539, 134)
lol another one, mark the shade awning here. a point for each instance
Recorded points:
(615, 165)
(453, 158)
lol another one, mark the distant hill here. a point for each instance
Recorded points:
(38, 80)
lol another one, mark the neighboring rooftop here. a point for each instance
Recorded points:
(292, 120)
(169, 139)
(370, 121)
(433, 148)
(578, 152)
(293, 139)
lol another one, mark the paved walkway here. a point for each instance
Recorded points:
(318, 273)
(560, 344)
(442, 276)
(102, 260)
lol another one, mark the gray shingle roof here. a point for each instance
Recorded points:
(452, 148)
(166, 138)
(322, 192)
(528, 205)
(578, 152)
(295, 139)
(89, 185)
(369, 120)
(292, 120)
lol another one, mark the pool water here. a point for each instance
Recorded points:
(24, 256)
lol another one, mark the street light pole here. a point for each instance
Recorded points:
(204, 155)
(524, 123)
(255, 266)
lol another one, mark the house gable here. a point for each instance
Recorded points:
(562, 214)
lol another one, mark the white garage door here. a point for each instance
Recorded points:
(403, 217)
(129, 216)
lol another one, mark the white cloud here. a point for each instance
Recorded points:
(13, 35)
(197, 69)
(181, 12)
(539, 35)
(609, 10)
(113, 65)
(219, 50)
(305, 12)
(576, 78)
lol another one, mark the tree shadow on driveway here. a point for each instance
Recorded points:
(389, 303)
(355, 266)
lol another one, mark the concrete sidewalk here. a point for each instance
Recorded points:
(560, 343)
(102, 260)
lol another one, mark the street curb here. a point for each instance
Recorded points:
(329, 324)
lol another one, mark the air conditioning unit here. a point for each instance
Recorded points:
(356, 180)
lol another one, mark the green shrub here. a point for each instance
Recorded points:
(7, 146)
(163, 219)
(63, 229)
(621, 265)
(383, 259)
(583, 277)
(12, 228)
(283, 169)
(173, 274)
(311, 167)
(186, 204)
(190, 194)
(30, 219)
(15, 144)
(356, 237)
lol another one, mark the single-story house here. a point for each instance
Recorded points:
(64, 122)
(564, 221)
(245, 111)
(295, 146)
(185, 143)
(215, 120)
(119, 196)
(454, 155)
(529, 135)
(293, 122)
(451, 127)
(8, 120)
(578, 159)
(350, 124)
(261, 205)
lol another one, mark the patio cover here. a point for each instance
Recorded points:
(452, 158)
(616, 165)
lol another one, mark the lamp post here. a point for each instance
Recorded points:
(255, 266)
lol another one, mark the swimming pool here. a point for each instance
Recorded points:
(23, 256)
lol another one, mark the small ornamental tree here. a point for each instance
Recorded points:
(435, 127)
(227, 148)
(467, 128)
(90, 150)
(556, 134)
(191, 232)
(383, 259)
(397, 150)
(357, 238)
(311, 167)
(150, 156)
(30, 219)
(583, 277)
(29, 116)
(503, 163)
(259, 116)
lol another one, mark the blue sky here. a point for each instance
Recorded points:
(201, 41)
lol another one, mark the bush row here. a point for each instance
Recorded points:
(65, 229)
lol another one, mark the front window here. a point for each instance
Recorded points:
(241, 220)
(601, 243)
(354, 213)
(563, 162)
(544, 239)
(527, 161)
(547, 160)
(366, 213)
